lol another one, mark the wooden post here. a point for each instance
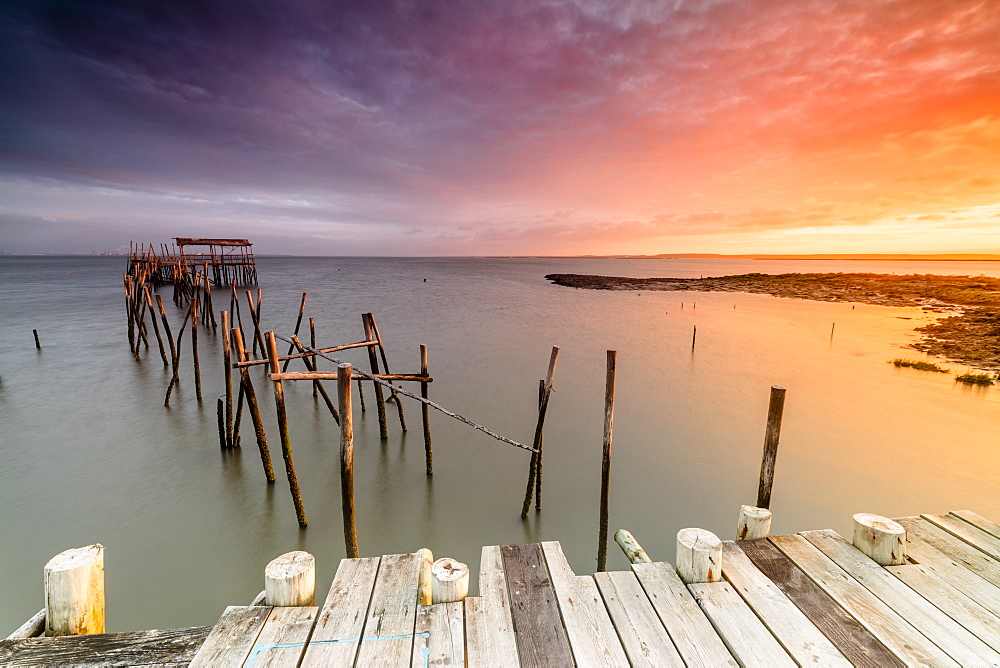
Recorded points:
(312, 344)
(255, 318)
(774, 412)
(290, 580)
(754, 524)
(373, 361)
(286, 443)
(535, 465)
(424, 588)
(251, 395)
(425, 413)
(630, 546)
(449, 581)
(385, 365)
(609, 421)
(220, 414)
(880, 538)
(156, 326)
(175, 378)
(699, 556)
(38, 346)
(298, 323)
(74, 592)
(194, 348)
(227, 363)
(694, 335)
(344, 372)
(237, 417)
(166, 328)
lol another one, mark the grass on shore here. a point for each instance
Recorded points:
(975, 378)
(922, 366)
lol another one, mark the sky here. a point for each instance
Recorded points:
(502, 127)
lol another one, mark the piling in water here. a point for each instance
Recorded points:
(609, 421)
(286, 444)
(774, 412)
(344, 372)
(251, 396)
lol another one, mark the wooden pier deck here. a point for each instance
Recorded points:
(804, 599)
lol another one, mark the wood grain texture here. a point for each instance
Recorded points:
(439, 636)
(893, 631)
(689, 628)
(645, 641)
(977, 538)
(489, 627)
(338, 628)
(282, 640)
(978, 521)
(853, 640)
(592, 635)
(133, 648)
(388, 635)
(799, 636)
(943, 631)
(541, 638)
(744, 634)
(232, 637)
(974, 617)
(919, 530)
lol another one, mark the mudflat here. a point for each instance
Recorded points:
(970, 334)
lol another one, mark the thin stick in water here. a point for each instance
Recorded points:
(609, 422)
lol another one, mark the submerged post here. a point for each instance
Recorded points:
(774, 413)
(74, 592)
(344, 372)
(425, 412)
(373, 361)
(38, 346)
(286, 444)
(535, 465)
(227, 362)
(609, 421)
(251, 395)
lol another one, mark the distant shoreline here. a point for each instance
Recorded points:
(971, 335)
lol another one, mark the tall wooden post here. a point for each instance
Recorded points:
(609, 422)
(385, 365)
(535, 465)
(373, 361)
(156, 326)
(194, 348)
(774, 412)
(227, 374)
(425, 412)
(286, 443)
(344, 372)
(312, 344)
(251, 395)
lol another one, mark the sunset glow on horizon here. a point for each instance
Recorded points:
(503, 128)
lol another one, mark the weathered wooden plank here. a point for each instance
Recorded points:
(744, 634)
(34, 627)
(689, 628)
(955, 574)
(943, 631)
(388, 636)
(978, 521)
(974, 617)
(919, 530)
(892, 630)
(797, 635)
(337, 632)
(439, 636)
(541, 638)
(974, 536)
(855, 641)
(489, 627)
(645, 640)
(282, 640)
(232, 637)
(592, 636)
(132, 648)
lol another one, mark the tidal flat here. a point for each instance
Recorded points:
(970, 334)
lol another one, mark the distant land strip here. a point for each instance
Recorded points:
(865, 257)
(970, 336)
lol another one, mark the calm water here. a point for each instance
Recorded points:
(90, 454)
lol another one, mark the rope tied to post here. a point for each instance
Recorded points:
(428, 402)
